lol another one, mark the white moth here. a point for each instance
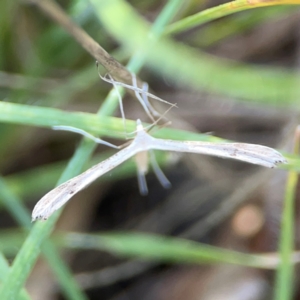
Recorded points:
(251, 153)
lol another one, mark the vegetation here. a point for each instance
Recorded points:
(49, 78)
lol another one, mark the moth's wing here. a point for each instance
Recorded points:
(251, 153)
(57, 197)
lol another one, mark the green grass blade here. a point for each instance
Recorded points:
(113, 127)
(284, 278)
(48, 117)
(4, 269)
(151, 247)
(285, 274)
(165, 16)
(236, 25)
(64, 276)
(104, 126)
(160, 248)
(221, 11)
(24, 261)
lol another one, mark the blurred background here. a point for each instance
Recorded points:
(219, 202)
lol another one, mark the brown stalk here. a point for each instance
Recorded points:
(57, 14)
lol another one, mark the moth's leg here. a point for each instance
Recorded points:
(158, 172)
(86, 134)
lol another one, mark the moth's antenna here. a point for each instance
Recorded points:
(161, 117)
(84, 133)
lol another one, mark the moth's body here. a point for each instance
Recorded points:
(143, 142)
